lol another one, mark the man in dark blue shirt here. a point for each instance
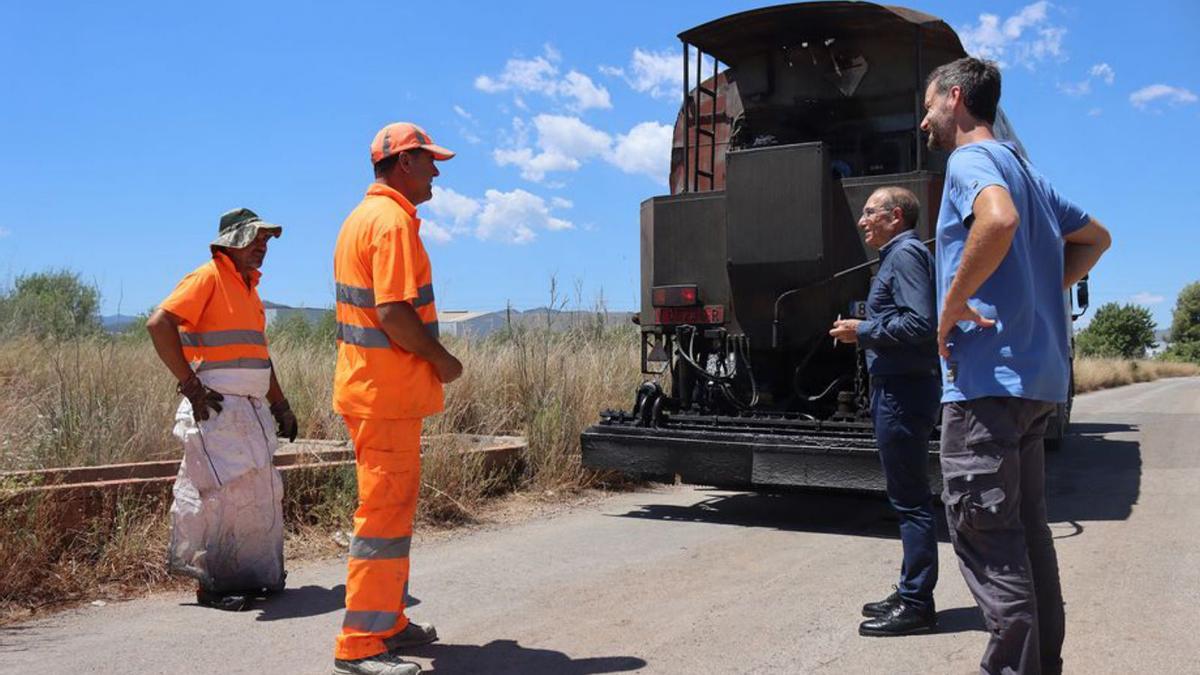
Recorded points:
(899, 336)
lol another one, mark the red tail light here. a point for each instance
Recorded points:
(680, 295)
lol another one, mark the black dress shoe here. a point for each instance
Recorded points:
(873, 609)
(229, 602)
(901, 620)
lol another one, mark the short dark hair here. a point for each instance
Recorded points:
(979, 81)
(910, 208)
(384, 166)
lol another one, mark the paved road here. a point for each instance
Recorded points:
(683, 580)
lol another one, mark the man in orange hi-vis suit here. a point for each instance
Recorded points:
(390, 371)
(227, 516)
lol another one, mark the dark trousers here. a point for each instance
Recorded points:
(904, 409)
(994, 470)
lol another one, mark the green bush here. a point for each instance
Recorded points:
(1185, 326)
(1117, 331)
(57, 305)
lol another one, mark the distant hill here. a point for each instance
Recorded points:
(116, 322)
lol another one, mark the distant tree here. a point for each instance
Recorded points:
(54, 305)
(291, 327)
(1185, 326)
(1117, 331)
(1185, 321)
(324, 331)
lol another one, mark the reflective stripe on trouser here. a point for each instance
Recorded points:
(388, 454)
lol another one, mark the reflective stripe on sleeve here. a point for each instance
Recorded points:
(379, 548)
(424, 296)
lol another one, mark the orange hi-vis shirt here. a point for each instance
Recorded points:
(222, 320)
(380, 259)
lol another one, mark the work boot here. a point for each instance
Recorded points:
(414, 635)
(903, 619)
(230, 602)
(874, 609)
(386, 663)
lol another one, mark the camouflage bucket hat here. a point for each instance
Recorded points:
(239, 227)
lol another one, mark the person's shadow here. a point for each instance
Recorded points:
(506, 656)
(297, 603)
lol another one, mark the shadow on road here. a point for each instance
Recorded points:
(1090, 478)
(297, 603)
(858, 514)
(1093, 477)
(506, 656)
(960, 620)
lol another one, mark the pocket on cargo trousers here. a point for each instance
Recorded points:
(976, 495)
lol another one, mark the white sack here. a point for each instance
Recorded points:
(227, 517)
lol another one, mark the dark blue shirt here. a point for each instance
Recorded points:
(900, 332)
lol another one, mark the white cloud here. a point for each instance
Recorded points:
(463, 113)
(1027, 36)
(657, 73)
(1076, 88)
(434, 232)
(1145, 298)
(514, 217)
(540, 75)
(511, 217)
(645, 150)
(1095, 112)
(536, 74)
(563, 143)
(451, 206)
(1142, 98)
(586, 93)
(1103, 71)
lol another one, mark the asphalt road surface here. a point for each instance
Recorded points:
(686, 580)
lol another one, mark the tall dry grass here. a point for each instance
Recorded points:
(106, 400)
(1093, 374)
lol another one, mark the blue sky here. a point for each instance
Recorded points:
(127, 128)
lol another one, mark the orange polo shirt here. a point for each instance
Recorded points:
(379, 258)
(222, 320)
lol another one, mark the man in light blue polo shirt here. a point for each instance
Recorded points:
(1008, 246)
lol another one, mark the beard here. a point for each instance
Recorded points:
(940, 134)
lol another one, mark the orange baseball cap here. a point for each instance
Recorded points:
(400, 136)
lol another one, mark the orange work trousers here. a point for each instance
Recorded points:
(388, 454)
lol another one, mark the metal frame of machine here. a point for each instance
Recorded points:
(755, 251)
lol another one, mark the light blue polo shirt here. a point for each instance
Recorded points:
(1026, 354)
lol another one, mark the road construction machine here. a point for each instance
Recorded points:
(798, 113)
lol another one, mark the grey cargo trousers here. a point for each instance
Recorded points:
(993, 466)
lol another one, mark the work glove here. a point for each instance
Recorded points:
(202, 397)
(286, 419)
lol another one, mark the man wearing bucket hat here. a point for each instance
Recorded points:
(389, 375)
(227, 518)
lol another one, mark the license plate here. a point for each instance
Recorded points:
(708, 314)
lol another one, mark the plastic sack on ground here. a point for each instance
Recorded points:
(227, 516)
